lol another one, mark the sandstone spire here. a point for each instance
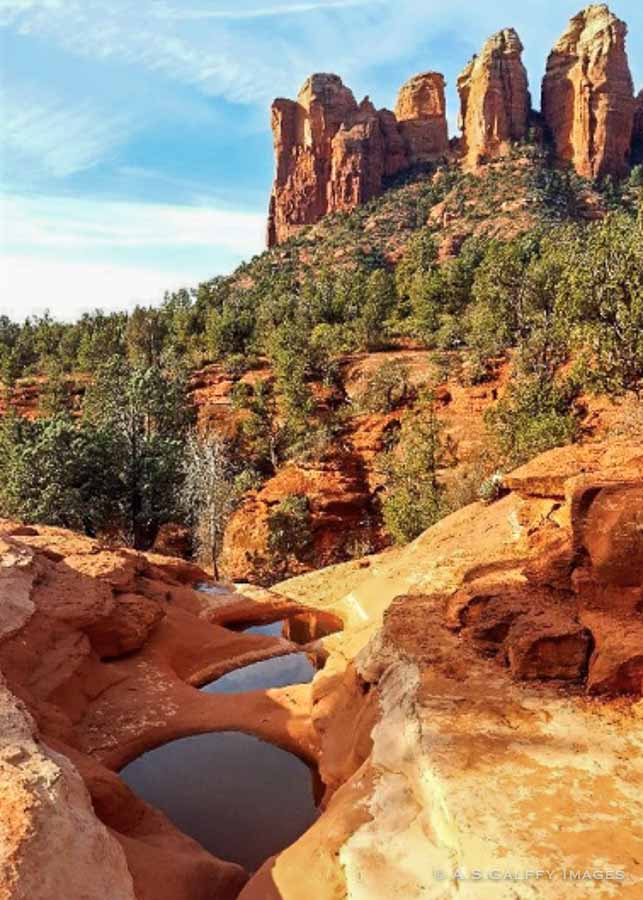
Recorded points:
(421, 115)
(588, 96)
(303, 131)
(333, 154)
(494, 99)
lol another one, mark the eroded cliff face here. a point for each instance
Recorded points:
(588, 95)
(333, 154)
(495, 100)
(421, 115)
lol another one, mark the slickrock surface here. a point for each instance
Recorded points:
(101, 651)
(494, 99)
(481, 709)
(333, 154)
(587, 94)
(481, 667)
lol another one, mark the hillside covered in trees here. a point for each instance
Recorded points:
(519, 268)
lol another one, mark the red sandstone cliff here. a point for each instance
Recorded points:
(333, 154)
(494, 97)
(421, 115)
(588, 96)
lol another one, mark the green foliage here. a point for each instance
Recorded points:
(54, 397)
(289, 356)
(414, 498)
(491, 488)
(57, 472)
(143, 415)
(290, 529)
(603, 291)
(379, 304)
(387, 389)
(535, 415)
(261, 437)
(440, 295)
(557, 193)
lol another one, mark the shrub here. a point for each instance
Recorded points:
(387, 389)
(491, 488)
(535, 415)
(414, 499)
(290, 528)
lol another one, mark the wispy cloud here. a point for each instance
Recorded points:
(56, 136)
(265, 12)
(87, 224)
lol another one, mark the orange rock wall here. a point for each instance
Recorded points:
(588, 95)
(494, 98)
(333, 154)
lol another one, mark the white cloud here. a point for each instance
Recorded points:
(265, 12)
(31, 284)
(87, 224)
(56, 137)
(72, 255)
(221, 49)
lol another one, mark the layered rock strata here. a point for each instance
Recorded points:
(588, 95)
(495, 103)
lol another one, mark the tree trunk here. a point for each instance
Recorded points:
(215, 561)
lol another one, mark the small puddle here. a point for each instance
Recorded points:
(240, 798)
(270, 673)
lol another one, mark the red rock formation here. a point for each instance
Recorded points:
(332, 154)
(358, 155)
(587, 95)
(421, 115)
(341, 518)
(99, 650)
(494, 98)
(471, 674)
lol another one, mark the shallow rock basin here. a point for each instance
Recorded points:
(240, 798)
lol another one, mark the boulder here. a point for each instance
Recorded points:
(51, 842)
(588, 95)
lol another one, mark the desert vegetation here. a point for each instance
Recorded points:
(560, 301)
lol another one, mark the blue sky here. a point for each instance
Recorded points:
(135, 150)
